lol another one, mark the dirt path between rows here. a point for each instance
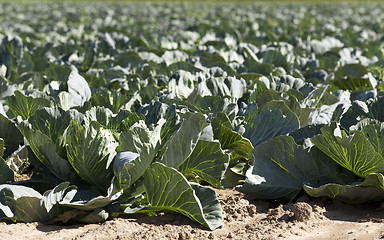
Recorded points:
(244, 219)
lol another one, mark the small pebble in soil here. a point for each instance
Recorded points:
(184, 236)
(285, 217)
(251, 210)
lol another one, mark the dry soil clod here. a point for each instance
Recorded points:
(302, 211)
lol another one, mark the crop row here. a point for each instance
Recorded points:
(116, 109)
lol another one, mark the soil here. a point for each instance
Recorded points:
(244, 218)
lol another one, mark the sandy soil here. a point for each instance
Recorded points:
(244, 219)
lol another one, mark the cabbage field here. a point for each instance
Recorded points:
(111, 109)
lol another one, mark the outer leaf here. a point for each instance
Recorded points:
(229, 86)
(375, 135)
(360, 110)
(153, 111)
(1, 147)
(89, 56)
(276, 58)
(113, 100)
(269, 124)
(183, 141)
(229, 139)
(216, 104)
(124, 120)
(262, 96)
(90, 151)
(138, 149)
(88, 199)
(351, 76)
(79, 89)
(45, 150)
(128, 168)
(98, 114)
(353, 84)
(53, 71)
(211, 205)
(24, 204)
(96, 216)
(29, 209)
(52, 122)
(6, 88)
(308, 131)
(140, 139)
(185, 66)
(376, 109)
(9, 132)
(168, 190)
(234, 175)
(181, 84)
(280, 168)
(51, 197)
(291, 104)
(354, 114)
(354, 153)
(133, 199)
(21, 105)
(171, 125)
(371, 189)
(208, 162)
(15, 192)
(313, 99)
(64, 100)
(257, 67)
(6, 174)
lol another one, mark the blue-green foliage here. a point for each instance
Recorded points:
(128, 108)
